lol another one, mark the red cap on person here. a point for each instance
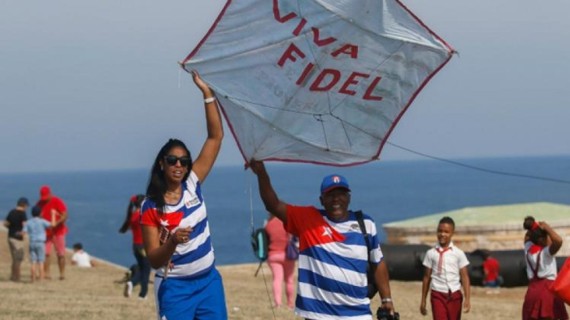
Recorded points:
(45, 193)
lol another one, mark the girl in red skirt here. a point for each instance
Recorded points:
(541, 244)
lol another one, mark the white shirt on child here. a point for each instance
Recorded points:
(81, 259)
(547, 267)
(449, 278)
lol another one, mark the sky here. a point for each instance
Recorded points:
(96, 85)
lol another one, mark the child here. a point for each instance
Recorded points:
(446, 270)
(81, 258)
(36, 230)
(541, 243)
(491, 267)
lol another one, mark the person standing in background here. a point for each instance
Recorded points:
(52, 205)
(142, 273)
(36, 228)
(15, 223)
(282, 268)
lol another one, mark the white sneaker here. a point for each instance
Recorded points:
(128, 289)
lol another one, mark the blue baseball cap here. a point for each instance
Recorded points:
(332, 182)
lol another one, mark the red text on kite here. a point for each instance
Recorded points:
(327, 78)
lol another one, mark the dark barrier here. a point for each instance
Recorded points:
(405, 263)
(513, 267)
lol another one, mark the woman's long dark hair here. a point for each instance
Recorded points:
(156, 183)
(134, 203)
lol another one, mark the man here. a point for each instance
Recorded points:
(333, 252)
(15, 223)
(52, 205)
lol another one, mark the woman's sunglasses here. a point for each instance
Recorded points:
(171, 160)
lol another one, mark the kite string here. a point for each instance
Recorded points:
(318, 118)
(472, 167)
(267, 291)
(250, 203)
(252, 231)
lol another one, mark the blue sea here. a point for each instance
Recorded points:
(386, 190)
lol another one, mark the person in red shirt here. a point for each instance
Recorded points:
(142, 273)
(491, 268)
(54, 206)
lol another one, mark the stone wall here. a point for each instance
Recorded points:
(491, 237)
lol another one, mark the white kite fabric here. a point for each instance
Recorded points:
(320, 81)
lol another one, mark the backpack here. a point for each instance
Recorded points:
(371, 268)
(260, 245)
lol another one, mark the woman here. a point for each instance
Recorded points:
(142, 272)
(541, 244)
(281, 267)
(175, 228)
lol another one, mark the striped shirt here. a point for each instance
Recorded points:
(195, 257)
(332, 264)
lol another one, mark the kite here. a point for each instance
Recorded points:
(318, 81)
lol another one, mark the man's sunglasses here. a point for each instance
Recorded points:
(171, 160)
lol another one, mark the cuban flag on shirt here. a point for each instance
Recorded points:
(196, 257)
(332, 264)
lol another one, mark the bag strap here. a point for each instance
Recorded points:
(360, 220)
(372, 266)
